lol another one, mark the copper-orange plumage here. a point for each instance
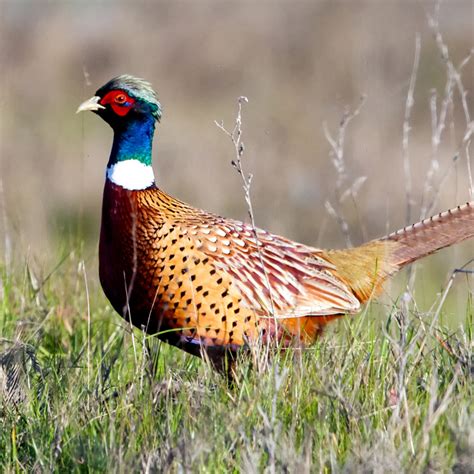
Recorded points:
(203, 282)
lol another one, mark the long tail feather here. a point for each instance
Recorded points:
(432, 234)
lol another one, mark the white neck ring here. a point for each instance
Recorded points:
(131, 174)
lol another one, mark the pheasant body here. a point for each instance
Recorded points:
(184, 274)
(200, 281)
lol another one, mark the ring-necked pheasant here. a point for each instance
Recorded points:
(200, 281)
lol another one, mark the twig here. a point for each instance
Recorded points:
(337, 144)
(469, 169)
(407, 128)
(236, 138)
(438, 121)
(82, 268)
(338, 160)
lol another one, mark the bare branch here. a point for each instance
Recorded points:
(407, 128)
(438, 120)
(338, 160)
(236, 137)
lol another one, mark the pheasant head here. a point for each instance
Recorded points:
(122, 100)
(131, 107)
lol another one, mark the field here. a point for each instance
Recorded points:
(388, 391)
(358, 122)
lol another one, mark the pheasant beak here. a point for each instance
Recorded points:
(91, 104)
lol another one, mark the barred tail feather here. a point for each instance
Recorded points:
(432, 234)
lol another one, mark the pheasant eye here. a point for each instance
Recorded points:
(120, 99)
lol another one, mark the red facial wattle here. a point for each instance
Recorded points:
(120, 102)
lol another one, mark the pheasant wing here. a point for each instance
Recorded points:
(274, 275)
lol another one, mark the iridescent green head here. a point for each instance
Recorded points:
(123, 99)
(130, 106)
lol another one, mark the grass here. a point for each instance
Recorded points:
(379, 393)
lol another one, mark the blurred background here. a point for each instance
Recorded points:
(299, 63)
